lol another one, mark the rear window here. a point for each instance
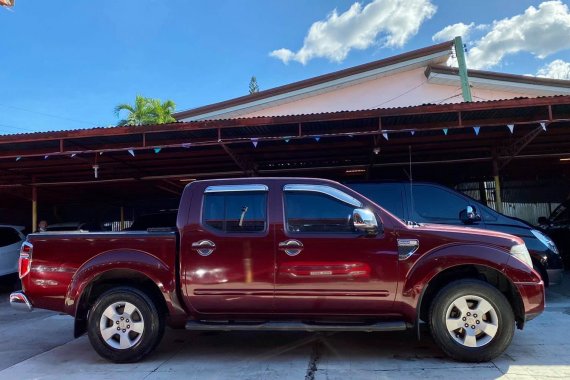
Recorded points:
(387, 195)
(8, 236)
(235, 212)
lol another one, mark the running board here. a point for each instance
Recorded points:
(294, 326)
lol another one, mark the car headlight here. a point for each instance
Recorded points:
(521, 253)
(545, 240)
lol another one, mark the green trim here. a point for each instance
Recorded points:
(462, 64)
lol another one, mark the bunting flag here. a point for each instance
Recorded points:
(445, 131)
(131, 152)
(157, 150)
(186, 145)
(73, 155)
(385, 134)
(413, 132)
(477, 129)
(511, 127)
(18, 158)
(100, 153)
(254, 141)
(317, 138)
(46, 157)
(543, 125)
(351, 136)
(287, 139)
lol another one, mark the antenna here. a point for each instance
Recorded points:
(411, 182)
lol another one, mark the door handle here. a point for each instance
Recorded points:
(291, 247)
(204, 247)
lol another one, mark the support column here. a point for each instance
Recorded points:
(496, 178)
(34, 209)
(122, 218)
(462, 66)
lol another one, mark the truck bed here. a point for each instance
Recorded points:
(58, 257)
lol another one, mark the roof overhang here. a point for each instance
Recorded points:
(524, 84)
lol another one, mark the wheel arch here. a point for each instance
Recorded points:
(137, 269)
(483, 273)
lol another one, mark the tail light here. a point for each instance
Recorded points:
(25, 261)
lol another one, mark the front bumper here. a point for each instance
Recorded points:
(555, 276)
(19, 301)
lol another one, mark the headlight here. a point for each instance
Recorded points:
(545, 240)
(521, 252)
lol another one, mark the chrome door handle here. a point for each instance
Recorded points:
(291, 247)
(204, 247)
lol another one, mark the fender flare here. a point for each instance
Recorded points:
(135, 261)
(428, 266)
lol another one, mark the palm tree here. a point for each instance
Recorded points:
(146, 111)
(162, 111)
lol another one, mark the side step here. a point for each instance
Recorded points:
(294, 326)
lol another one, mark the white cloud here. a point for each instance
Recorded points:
(359, 27)
(557, 69)
(541, 32)
(451, 31)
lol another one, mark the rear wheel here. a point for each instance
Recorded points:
(472, 321)
(124, 325)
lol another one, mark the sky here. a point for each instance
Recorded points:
(67, 64)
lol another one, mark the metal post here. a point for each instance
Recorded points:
(462, 66)
(122, 218)
(34, 209)
(496, 178)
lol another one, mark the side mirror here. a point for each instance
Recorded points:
(469, 215)
(365, 221)
(543, 221)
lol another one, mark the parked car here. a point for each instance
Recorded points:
(432, 203)
(284, 254)
(557, 227)
(73, 226)
(165, 219)
(11, 239)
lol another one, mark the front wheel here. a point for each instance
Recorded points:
(124, 325)
(472, 321)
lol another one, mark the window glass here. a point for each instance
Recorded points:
(433, 203)
(316, 212)
(235, 211)
(8, 236)
(388, 195)
(561, 214)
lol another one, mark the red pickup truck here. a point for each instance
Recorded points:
(283, 254)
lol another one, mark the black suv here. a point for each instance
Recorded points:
(434, 203)
(557, 226)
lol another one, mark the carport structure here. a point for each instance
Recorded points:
(524, 138)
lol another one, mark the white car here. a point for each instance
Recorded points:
(11, 239)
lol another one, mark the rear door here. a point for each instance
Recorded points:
(227, 250)
(324, 266)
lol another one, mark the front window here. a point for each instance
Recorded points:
(318, 212)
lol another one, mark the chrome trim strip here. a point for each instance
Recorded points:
(233, 188)
(19, 301)
(327, 190)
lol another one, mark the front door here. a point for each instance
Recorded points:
(228, 251)
(323, 265)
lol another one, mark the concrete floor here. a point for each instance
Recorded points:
(40, 345)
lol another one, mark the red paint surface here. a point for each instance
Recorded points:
(247, 275)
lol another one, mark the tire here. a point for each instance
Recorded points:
(128, 339)
(487, 335)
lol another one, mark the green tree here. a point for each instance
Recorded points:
(253, 87)
(146, 111)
